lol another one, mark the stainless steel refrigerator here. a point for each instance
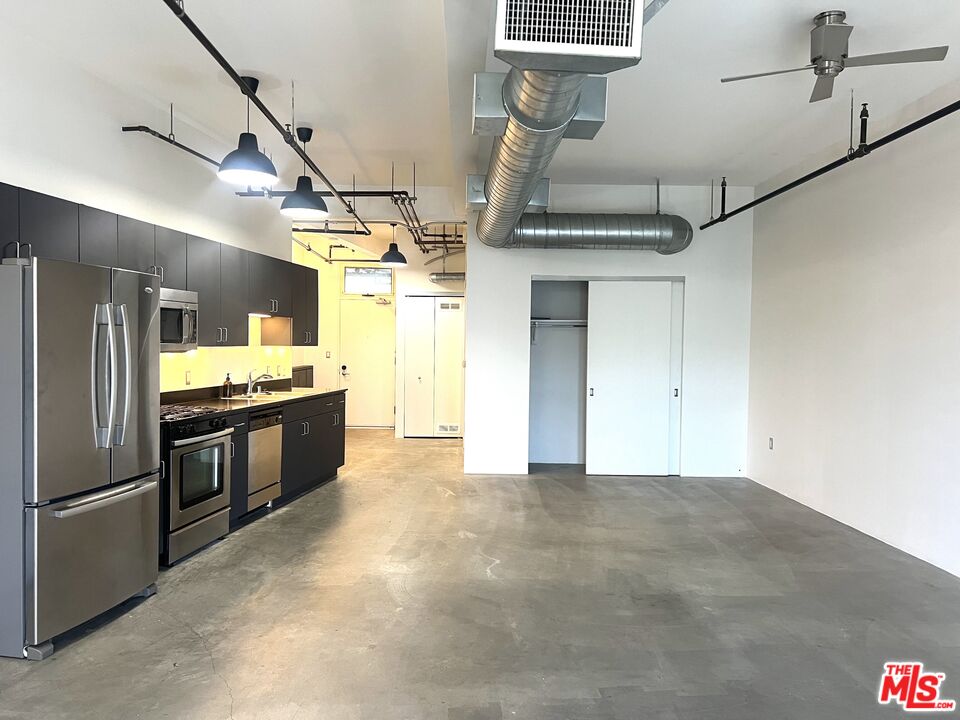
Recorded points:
(79, 446)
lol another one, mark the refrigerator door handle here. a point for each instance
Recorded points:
(123, 319)
(105, 375)
(101, 500)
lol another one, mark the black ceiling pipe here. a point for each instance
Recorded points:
(860, 152)
(169, 140)
(176, 6)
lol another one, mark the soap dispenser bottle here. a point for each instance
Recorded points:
(227, 390)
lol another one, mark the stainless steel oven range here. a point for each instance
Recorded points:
(195, 476)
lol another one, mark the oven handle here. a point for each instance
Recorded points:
(104, 499)
(202, 438)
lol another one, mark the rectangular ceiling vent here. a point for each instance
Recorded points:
(589, 36)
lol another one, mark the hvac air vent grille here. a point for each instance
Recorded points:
(605, 23)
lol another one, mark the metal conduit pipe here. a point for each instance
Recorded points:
(440, 277)
(666, 234)
(539, 104)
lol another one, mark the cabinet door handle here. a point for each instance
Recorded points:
(219, 335)
(226, 334)
(160, 268)
(308, 427)
(303, 429)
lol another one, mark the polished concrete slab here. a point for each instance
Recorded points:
(407, 590)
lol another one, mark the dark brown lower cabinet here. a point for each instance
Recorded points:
(313, 451)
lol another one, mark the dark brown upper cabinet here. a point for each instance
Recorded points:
(50, 225)
(270, 286)
(234, 302)
(137, 245)
(98, 237)
(305, 300)
(171, 257)
(9, 218)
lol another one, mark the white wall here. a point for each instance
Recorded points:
(60, 135)
(855, 346)
(717, 270)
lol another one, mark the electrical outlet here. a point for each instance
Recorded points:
(186, 377)
(328, 354)
(770, 443)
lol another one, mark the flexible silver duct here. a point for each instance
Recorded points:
(540, 104)
(666, 234)
(441, 277)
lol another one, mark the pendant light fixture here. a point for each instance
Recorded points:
(393, 258)
(247, 166)
(303, 203)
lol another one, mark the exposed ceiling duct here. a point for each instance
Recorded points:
(666, 234)
(443, 277)
(549, 94)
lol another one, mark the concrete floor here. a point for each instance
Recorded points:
(406, 590)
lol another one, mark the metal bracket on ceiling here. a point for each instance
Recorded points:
(652, 9)
(490, 116)
(477, 198)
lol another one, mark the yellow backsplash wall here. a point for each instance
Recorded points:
(208, 366)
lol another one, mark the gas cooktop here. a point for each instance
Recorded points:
(172, 413)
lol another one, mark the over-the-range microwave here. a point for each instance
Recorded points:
(178, 320)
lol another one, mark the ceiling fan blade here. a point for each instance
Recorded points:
(823, 88)
(930, 54)
(758, 75)
(834, 41)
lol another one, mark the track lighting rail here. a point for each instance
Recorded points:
(864, 149)
(177, 8)
(170, 141)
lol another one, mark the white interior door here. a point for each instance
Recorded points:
(418, 366)
(367, 361)
(628, 378)
(448, 367)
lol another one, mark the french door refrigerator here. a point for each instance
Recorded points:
(80, 446)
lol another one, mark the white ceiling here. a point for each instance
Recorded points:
(670, 117)
(392, 81)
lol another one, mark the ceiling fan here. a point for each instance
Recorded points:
(829, 42)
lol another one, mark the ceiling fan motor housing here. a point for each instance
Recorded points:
(829, 42)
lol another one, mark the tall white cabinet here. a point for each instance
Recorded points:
(433, 367)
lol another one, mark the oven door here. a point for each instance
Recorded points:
(178, 326)
(199, 477)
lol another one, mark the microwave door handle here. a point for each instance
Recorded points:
(123, 319)
(185, 325)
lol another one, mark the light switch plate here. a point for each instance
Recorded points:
(770, 444)
(186, 377)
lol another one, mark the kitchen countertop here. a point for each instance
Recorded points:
(277, 398)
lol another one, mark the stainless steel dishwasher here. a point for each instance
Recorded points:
(263, 465)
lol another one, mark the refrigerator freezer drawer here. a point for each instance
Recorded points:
(88, 554)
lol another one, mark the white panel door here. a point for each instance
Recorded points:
(448, 367)
(628, 378)
(418, 366)
(367, 367)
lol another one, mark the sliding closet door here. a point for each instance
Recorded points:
(628, 378)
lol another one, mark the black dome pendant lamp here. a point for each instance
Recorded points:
(247, 166)
(303, 203)
(393, 258)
